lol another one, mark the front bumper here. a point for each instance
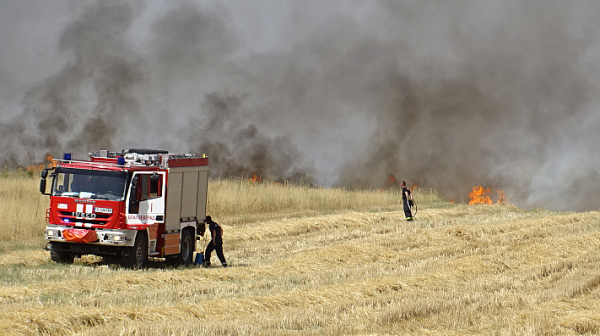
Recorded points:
(108, 237)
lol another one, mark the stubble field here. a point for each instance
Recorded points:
(308, 261)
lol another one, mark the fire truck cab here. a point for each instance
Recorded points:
(126, 206)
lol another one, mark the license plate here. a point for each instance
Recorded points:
(103, 210)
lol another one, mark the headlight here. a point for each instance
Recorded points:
(117, 237)
(52, 233)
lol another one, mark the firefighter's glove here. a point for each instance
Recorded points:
(411, 202)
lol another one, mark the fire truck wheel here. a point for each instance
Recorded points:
(137, 255)
(187, 248)
(62, 257)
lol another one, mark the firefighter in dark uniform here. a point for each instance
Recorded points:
(216, 242)
(406, 201)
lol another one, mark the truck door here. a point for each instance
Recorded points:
(146, 203)
(150, 199)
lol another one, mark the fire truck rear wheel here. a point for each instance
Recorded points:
(62, 257)
(137, 256)
(187, 248)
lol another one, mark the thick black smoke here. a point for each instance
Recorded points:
(240, 147)
(87, 101)
(447, 95)
(511, 103)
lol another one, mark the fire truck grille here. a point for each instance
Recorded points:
(98, 219)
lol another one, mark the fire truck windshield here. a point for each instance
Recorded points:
(93, 184)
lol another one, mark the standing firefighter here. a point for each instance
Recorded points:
(216, 242)
(406, 201)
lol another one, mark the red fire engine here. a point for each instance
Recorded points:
(126, 206)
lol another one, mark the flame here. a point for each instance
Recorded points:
(479, 195)
(36, 168)
(501, 199)
(49, 162)
(390, 183)
(255, 178)
(414, 187)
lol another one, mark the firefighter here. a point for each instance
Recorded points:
(216, 242)
(406, 201)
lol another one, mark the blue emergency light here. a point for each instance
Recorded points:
(67, 156)
(120, 160)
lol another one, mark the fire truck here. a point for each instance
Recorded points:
(126, 206)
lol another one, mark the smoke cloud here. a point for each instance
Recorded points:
(447, 95)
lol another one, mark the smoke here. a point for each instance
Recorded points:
(449, 96)
(240, 147)
(86, 101)
(513, 104)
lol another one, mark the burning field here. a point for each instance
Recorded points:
(492, 104)
(497, 93)
(299, 268)
(48, 162)
(481, 195)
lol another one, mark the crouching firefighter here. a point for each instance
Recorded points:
(216, 242)
(407, 201)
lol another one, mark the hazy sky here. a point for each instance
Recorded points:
(446, 94)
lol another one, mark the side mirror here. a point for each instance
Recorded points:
(133, 191)
(154, 178)
(43, 185)
(44, 173)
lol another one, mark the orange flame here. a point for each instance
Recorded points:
(390, 183)
(501, 198)
(49, 162)
(479, 195)
(36, 168)
(255, 178)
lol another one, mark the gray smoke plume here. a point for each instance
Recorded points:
(448, 95)
(86, 101)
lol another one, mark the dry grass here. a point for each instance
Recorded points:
(239, 201)
(232, 201)
(457, 270)
(23, 210)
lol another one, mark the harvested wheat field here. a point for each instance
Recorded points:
(456, 270)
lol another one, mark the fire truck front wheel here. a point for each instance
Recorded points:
(137, 255)
(62, 257)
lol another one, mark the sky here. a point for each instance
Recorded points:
(444, 94)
